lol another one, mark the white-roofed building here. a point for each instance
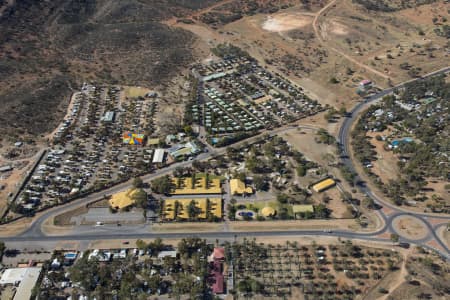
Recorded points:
(26, 277)
(158, 156)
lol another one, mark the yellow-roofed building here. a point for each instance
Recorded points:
(238, 187)
(268, 212)
(323, 185)
(123, 199)
(215, 208)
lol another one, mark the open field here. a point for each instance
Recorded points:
(135, 91)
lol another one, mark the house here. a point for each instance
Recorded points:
(238, 187)
(123, 199)
(324, 185)
(216, 270)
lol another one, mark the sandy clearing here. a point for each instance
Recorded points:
(15, 228)
(410, 227)
(338, 28)
(444, 235)
(423, 15)
(286, 21)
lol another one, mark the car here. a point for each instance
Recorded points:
(125, 242)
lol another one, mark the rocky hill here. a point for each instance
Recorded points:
(48, 47)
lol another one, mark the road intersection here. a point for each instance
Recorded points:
(388, 213)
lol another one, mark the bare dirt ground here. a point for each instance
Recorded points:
(185, 227)
(392, 281)
(336, 205)
(386, 164)
(289, 225)
(410, 227)
(14, 228)
(286, 21)
(444, 235)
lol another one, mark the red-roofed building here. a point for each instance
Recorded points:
(218, 253)
(217, 286)
(216, 270)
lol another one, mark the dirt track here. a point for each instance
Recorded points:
(317, 31)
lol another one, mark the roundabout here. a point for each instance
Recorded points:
(410, 228)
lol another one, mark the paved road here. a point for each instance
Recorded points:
(343, 138)
(91, 233)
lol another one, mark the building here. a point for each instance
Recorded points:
(168, 253)
(26, 279)
(215, 208)
(268, 212)
(123, 199)
(130, 138)
(216, 274)
(302, 209)
(153, 142)
(109, 117)
(5, 169)
(324, 185)
(158, 156)
(238, 187)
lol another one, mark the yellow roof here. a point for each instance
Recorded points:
(200, 186)
(238, 187)
(122, 199)
(268, 212)
(169, 208)
(323, 185)
(153, 141)
(302, 208)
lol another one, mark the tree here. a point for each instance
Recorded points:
(368, 202)
(140, 197)
(141, 244)
(2, 249)
(261, 183)
(138, 183)
(301, 170)
(162, 185)
(395, 237)
(193, 210)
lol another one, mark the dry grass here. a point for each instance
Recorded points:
(135, 91)
(64, 219)
(186, 227)
(289, 225)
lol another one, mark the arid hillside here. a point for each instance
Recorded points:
(49, 47)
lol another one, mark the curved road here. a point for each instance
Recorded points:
(89, 233)
(343, 138)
